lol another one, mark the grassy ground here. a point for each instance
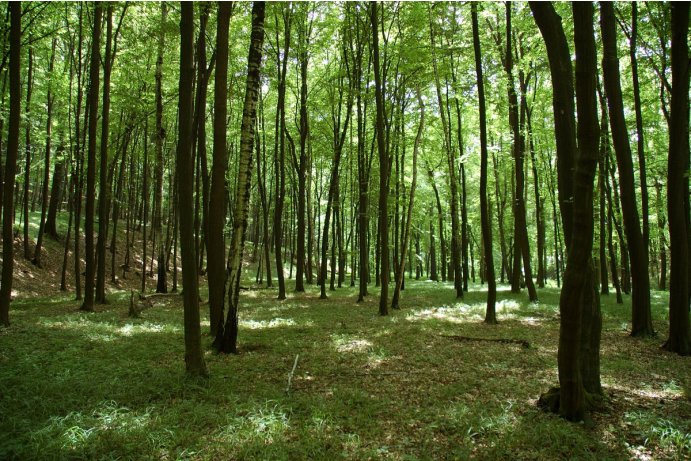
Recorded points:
(104, 386)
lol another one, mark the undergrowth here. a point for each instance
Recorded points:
(105, 386)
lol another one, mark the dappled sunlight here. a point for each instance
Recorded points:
(346, 343)
(455, 314)
(75, 430)
(277, 322)
(106, 332)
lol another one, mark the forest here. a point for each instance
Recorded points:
(349, 230)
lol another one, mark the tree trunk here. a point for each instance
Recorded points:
(217, 196)
(453, 182)
(679, 340)
(194, 357)
(279, 162)
(490, 313)
(46, 165)
(640, 298)
(15, 9)
(161, 282)
(27, 150)
(409, 218)
(104, 186)
(383, 230)
(226, 339)
(89, 277)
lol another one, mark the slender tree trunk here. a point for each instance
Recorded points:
(217, 196)
(46, 165)
(104, 186)
(27, 150)
(679, 340)
(88, 304)
(639, 128)
(642, 317)
(279, 162)
(383, 230)
(161, 282)
(490, 314)
(226, 339)
(409, 218)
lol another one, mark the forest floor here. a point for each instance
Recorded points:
(105, 386)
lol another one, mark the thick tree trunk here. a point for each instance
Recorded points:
(194, 357)
(15, 9)
(490, 313)
(679, 340)
(642, 317)
(579, 269)
(226, 338)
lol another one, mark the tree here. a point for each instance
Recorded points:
(279, 146)
(89, 276)
(161, 281)
(194, 357)
(103, 184)
(490, 314)
(383, 230)
(226, 338)
(640, 298)
(50, 99)
(11, 162)
(679, 340)
(217, 194)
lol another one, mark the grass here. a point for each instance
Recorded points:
(104, 386)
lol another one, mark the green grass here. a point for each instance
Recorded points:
(104, 386)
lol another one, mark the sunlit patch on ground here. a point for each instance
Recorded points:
(346, 343)
(273, 323)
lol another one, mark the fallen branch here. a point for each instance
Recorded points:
(521, 342)
(290, 375)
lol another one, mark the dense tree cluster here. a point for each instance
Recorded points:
(553, 144)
